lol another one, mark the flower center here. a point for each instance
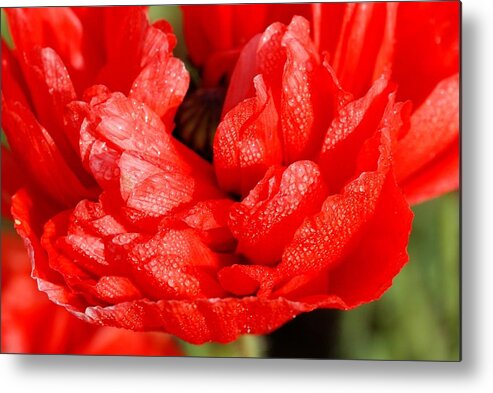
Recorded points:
(197, 119)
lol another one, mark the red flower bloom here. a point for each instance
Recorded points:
(142, 237)
(33, 324)
(409, 41)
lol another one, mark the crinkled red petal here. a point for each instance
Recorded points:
(247, 142)
(163, 80)
(33, 324)
(353, 125)
(325, 242)
(175, 264)
(30, 214)
(206, 320)
(210, 219)
(265, 221)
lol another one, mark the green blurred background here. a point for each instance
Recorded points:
(418, 318)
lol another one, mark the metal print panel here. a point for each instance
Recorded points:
(261, 180)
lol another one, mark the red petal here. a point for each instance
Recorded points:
(242, 280)
(212, 31)
(114, 289)
(368, 269)
(51, 90)
(157, 190)
(299, 114)
(159, 193)
(360, 42)
(92, 217)
(100, 159)
(265, 221)
(427, 47)
(33, 147)
(29, 222)
(304, 90)
(57, 28)
(87, 251)
(263, 54)
(247, 142)
(131, 23)
(162, 86)
(73, 272)
(204, 320)
(353, 125)
(174, 264)
(133, 171)
(309, 97)
(128, 124)
(436, 178)
(12, 180)
(327, 22)
(210, 218)
(206, 29)
(163, 80)
(385, 55)
(370, 207)
(33, 324)
(434, 126)
(13, 84)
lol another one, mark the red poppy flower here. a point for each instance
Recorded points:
(409, 41)
(33, 324)
(150, 240)
(156, 251)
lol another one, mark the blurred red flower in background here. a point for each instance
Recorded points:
(128, 227)
(33, 324)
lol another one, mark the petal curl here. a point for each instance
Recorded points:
(353, 125)
(247, 142)
(265, 221)
(163, 80)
